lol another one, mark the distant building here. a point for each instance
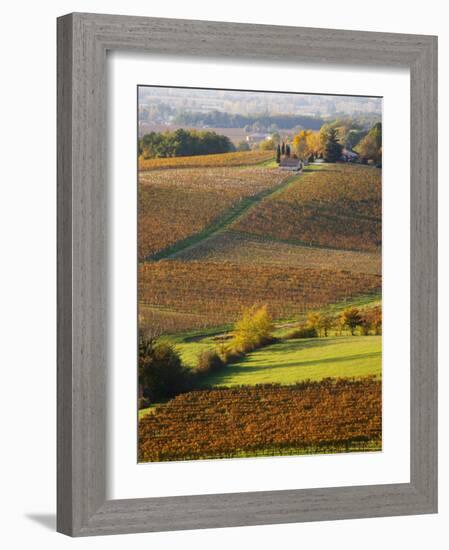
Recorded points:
(255, 137)
(291, 163)
(349, 156)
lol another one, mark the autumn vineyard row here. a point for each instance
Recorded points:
(338, 206)
(175, 204)
(334, 415)
(244, 158)
(218, 291)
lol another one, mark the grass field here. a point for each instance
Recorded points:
(292, 361)
(191, 343)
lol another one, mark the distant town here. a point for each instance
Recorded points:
(247, 116)
(298, 128)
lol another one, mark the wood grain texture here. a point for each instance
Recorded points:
(424, 276)
(64, 277)
(83, 40)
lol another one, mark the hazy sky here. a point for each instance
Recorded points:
(257, 102)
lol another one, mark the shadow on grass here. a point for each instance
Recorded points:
(244, 366)
(288, 345)
(247, 367)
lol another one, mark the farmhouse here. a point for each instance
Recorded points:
(349, 156)
(257, 137)
(291, 163)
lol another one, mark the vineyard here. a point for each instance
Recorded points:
(232, 246)
(158, 320)
(218, 291)
(176, 204)
(338, 206)
(216, 238)
(334, 415)
(244, 158)
(259, 275)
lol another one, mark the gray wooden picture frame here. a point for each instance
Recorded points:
(83, 40)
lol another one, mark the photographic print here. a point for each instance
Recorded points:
(259, 273)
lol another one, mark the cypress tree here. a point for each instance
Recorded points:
(278, 154)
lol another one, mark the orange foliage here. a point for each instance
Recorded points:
(331, 415)
(239, 158)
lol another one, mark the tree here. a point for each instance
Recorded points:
(372, 318)
(243, 146)
(348, 130)
(331, 147)
(145, 352)
(301, 144)
(314, 145)
(370, 147)
(307, 144)
(327, 322)
(353, 137)
(314, 321)
(267, 145)
(320, 323)
(367, 149)
(161, 372)
(352, 318)
(283, 148)
(339, 324)
(278, 154)
(262, 323)
(377, 319)
(209, 361)
(252, 330)
(365, 322)
(287, 150)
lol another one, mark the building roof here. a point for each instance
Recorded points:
(290, 161)
(258, 135)
(348, 153)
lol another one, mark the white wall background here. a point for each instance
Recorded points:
(27, 289)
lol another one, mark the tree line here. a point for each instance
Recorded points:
(257, 122)
(180, 143)
(318, 325)
(328, 143)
